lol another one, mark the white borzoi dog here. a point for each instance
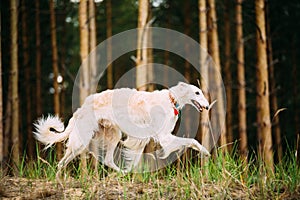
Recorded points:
(140, 115)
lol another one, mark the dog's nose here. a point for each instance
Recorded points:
(206, 107)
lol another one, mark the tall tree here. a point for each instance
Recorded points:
(30, 144)
(167, 53)
(84, 50)
(187, 75)
(109, 45)
(273, 93)
(227, 72)
(14, 82)
(215, 53)
(187, 68)
(93, 55)
(242, 124)
(150, 73)
(1, 107)
(295, 94)
(38, 60)
(59, 150)
(7, 123)
(204, 134)
(187, 31)
(84, 86)
(262, 88)
(92, 46)
(141, 54)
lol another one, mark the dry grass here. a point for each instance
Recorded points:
(221, 178)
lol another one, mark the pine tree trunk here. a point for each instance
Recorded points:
(141, 54)
(214, 51)
(295, 88)
(227, 72)
(59, 150)
(30, 144)
(187, 31)
(187, 67)
(84, 50)
(92, 46)
(242, 124)
(167, 53)
(204, 134)
(38, 60)
(109, 45)
(63, 46)
(1, 107)
(262, 87)
(85, 71)
(273, 94)
(93, 57)
(295, 95)
(150, 72)
(7, 123)
(14, 83)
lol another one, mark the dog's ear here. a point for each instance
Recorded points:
(182, 84)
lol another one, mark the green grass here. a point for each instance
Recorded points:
(221, 177)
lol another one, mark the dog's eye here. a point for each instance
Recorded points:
(197, 93)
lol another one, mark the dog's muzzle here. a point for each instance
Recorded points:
(199, 106)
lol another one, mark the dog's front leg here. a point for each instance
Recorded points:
(171, 143)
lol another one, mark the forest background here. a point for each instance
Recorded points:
(43, 41)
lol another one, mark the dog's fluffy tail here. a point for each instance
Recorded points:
(50, 130)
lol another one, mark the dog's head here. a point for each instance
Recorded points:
(190, 94)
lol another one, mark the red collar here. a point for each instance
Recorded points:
(174, 104)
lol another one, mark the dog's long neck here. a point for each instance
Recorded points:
(175, 97)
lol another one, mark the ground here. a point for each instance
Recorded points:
(114, 188)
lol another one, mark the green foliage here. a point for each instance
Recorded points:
(224, 176)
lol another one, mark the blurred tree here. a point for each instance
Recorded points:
(92, 57)
(14, 84)
(150, 72)
(141, 54)
(26, 66)
(295, 96)
(167, 53)
(92, 46)
(215, 53)
(242, 121)
(227, 72)
(204, 134)
(187, 31)
(109, 45)
(187, 75)
(59, 147)
(38, 56)
(262, 88)
(273, 92)
(187, 68)
(144, 56)
(84, 87)
(84, 50)
(1, 107)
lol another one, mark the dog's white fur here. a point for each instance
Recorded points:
(140, 115)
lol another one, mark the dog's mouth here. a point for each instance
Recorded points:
(199, 106)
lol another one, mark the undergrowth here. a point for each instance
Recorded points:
(224, 176)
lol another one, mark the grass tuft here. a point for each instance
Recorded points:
(225, 176)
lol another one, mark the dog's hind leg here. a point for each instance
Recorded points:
(172, 143)
(104, 143)
(133, 152)
(68, 157)
(111, 144)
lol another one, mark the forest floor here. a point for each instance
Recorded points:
(223, 177)
(112, 188)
